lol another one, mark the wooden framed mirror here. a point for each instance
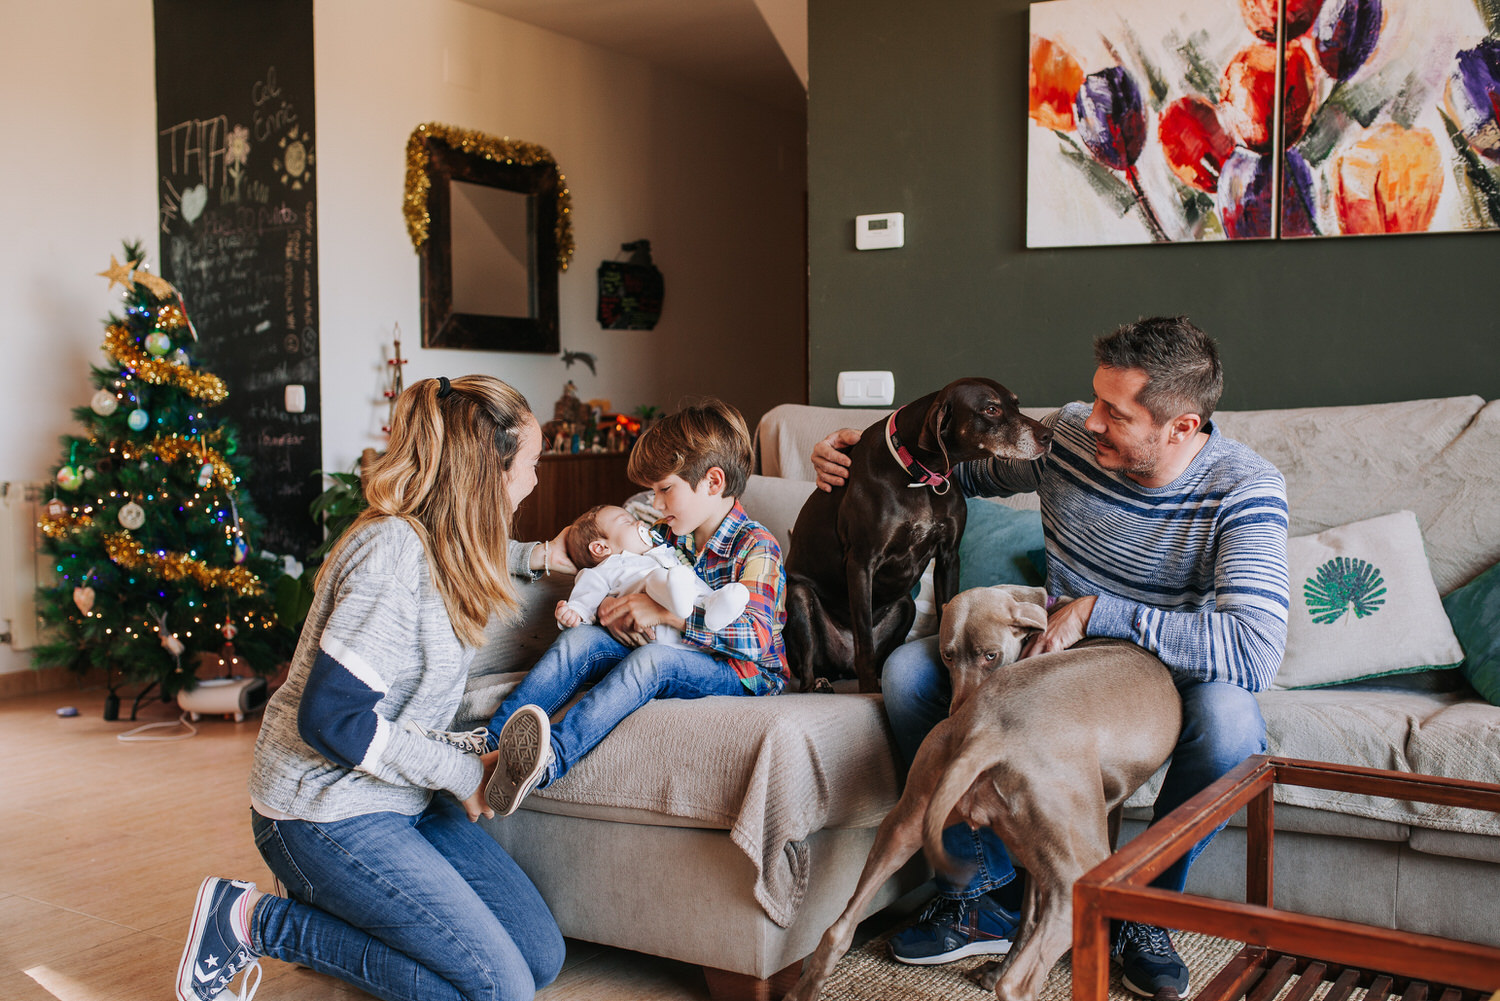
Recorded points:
(491, 221)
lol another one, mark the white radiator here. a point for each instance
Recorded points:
(20, 509)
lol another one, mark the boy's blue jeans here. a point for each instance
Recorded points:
(1221, 726)
(427, 907)
(624, 679)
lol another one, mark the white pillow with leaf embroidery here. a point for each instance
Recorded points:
(1363, 605)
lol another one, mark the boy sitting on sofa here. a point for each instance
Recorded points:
(696, 462)
(616, 554)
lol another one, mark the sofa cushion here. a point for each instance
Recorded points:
(997, 544)
(1474, 610)
(1362, 605)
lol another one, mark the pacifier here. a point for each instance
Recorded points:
(645, 534)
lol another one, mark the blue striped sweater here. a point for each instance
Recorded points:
(1194, 571)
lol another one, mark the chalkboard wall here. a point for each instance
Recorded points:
(921, 108)
(236, 160)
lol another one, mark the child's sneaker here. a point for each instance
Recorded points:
(476, 741)
(218, 945)
(525, 758)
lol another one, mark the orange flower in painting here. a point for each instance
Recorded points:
(1388, 182)
(1260, 17)
(1055, 79)
(1247, 101)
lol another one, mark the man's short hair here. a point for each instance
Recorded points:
(692, 441)
(1181, 362)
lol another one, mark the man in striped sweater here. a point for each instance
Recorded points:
(1163, 532)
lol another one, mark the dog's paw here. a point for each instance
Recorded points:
(986, 975)
(822, 685)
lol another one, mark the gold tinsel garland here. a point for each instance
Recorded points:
(64, 524)
(127, 554)
(174, 448)
(120, 343)
(504, 150)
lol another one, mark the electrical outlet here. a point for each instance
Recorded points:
(866, 389)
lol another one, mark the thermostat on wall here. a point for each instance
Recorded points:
(879, 232)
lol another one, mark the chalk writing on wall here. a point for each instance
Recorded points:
(237, 167)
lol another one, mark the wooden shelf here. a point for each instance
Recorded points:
(568, 485)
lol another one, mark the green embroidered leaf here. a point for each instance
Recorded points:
(1341, 584)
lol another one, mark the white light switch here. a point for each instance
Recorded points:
(879, 232)
(866, 389)
(296, 399)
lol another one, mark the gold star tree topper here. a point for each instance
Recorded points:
(117, 272)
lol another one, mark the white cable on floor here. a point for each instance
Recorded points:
(132, 736)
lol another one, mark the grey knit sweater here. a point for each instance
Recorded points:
(377, 660)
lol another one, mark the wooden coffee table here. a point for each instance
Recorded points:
(1281, 946)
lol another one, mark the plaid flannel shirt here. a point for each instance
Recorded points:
(742, 550)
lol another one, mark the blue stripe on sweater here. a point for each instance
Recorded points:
(337, 715)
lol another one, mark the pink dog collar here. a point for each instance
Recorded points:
(924, 476)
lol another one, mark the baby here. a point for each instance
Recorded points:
(616, 555)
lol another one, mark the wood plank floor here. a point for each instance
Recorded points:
(103, 845)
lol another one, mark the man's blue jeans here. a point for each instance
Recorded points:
(427, 907)
(1221, 726)
(624, 679)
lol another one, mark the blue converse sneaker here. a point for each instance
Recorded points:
(1149, 964)
(218, 945)
(951, 929)
(525, 759)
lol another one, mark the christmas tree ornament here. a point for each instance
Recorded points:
(104, 403)
(70, 477)
(83, 597)
(117, 272)
(132, 516)
(158, 343)
(241, 550)
(138, 419)
(173, 644)
(56, 508)
(229, 630)
(180, 358)
(205, 475)
(159, 287)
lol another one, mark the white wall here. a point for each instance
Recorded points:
(714, 182)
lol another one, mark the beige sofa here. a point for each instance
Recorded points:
(729, 833)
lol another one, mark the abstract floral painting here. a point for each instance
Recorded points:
(1161, 121)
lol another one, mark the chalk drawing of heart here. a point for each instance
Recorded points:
(83, 597)
(193, 202)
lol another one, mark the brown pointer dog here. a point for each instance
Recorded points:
(1043, 752)
(858, 550)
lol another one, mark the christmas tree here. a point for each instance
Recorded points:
(149, 532)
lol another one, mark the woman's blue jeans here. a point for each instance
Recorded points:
(1221, 726)
(624, 679)
(427, 907)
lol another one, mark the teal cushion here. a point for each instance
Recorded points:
(1474, 610)
(997, 546)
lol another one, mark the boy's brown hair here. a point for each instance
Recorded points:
(585, 530)
(692, 441)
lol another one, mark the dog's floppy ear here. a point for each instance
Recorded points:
(1031, 616)
(933, 426)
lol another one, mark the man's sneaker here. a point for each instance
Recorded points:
(525, 759)
(218, 945)
(951, 929)
(476, 741)
(1149, 965)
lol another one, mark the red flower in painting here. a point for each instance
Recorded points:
(1194, 142)
(1248, 95)
(1388, 182)
(1260, 16)
(1055, 79)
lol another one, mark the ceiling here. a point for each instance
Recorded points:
(726, 44)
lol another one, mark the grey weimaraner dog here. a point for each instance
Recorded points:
(1042, 752)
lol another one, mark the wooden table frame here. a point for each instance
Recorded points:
(1279, 944)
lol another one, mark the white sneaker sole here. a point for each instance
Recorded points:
(525, 749)
(994, 947)
(1132, 988)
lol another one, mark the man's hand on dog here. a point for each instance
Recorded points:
(633, 618)
(831, 463)
(1066, 624)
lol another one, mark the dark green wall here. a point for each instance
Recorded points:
(919, 106)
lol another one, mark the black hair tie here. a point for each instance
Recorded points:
(444, 386)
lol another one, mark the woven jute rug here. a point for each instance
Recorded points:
(869, 974)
